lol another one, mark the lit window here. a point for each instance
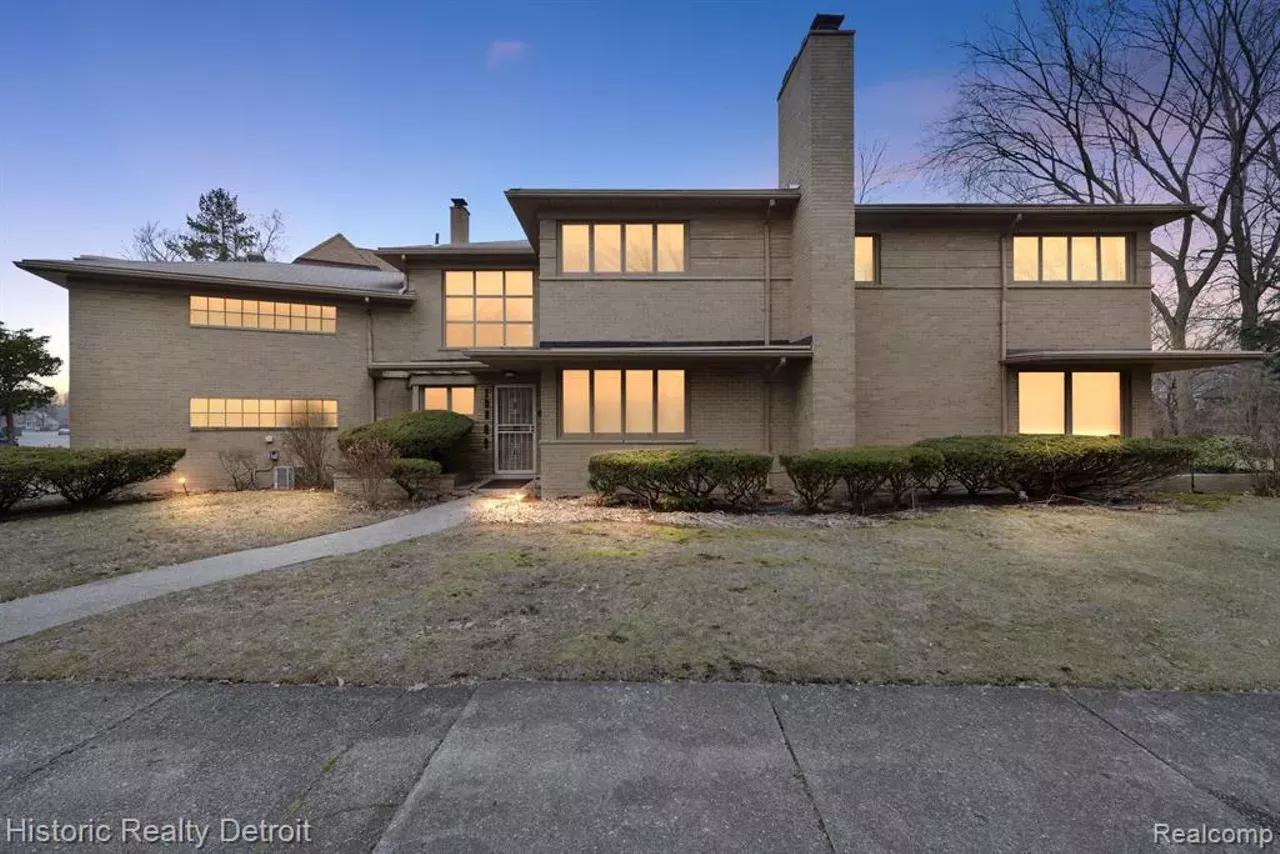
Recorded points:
(1078, 258)
(612, 248)
(234, 413)
(616, 402)
(231, 313)
(1083, 403)
(864, 258)
(459, 399)
(488, 308)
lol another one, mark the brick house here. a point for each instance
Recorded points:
(770, 319)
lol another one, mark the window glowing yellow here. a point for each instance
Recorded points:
(1079, 258)
(641, 402)
(1026, 259)
(606, 401)
(612, 248)
(864, 258)
(1084, 259)
(1095, 403)
(1114, 259)
(575, 248)
(671, 402)
(606, 249)
(488, 308)
(575, 410)
(1041, 402)
(671, 247)
(1053, 255)
(460, 399)
(241, 413)
(233, 313)
(639, 247)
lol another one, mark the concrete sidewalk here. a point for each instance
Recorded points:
(666, 767)
(31, 614)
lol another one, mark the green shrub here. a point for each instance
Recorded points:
(80, 475)
(426, 435)
(1072, 465)
(414, 476)
(978, 463)
(684, 479)
(21, 477)
(864, 470)
(813, 474)
(1222, 454)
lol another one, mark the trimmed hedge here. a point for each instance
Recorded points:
(81, 476)
(978, 463)
(684, 478)
(426, 435)
(414, 475)
(1071, 465)
(864, 470)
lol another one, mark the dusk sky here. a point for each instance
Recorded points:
(367, 117)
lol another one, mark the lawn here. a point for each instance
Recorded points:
(51, 549)
(1057, 595)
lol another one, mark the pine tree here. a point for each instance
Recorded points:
(219, 231)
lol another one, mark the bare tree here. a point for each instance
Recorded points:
(873, 174)
(219, 231)
(271, 236)
(1123, 102)
(151, 242)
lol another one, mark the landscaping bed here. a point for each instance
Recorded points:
(1058, 595)
(55, 548)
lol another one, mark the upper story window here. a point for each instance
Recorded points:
(488, 308)
(1083, 403)
(622, 403)
(232, 313)
(865, 260)
(1070, 258)
(613, 248)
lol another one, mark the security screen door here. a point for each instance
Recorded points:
(515, 428)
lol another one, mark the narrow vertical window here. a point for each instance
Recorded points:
(639, 401)
(606, 400)
(1114, 259)
(1042, 402)
(639, 247)
(671, 247)
(1026, 259)
(1053, 252)
(575, 404)
(607, 248)
(864, 258)
(575, 249)
(671, 402)
(1084, 259)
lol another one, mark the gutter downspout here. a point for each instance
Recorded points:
(768, 404)
(373, 381)
(768, 273)
(1004, 323)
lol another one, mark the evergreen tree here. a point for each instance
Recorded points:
(23, 358)
(219, 231)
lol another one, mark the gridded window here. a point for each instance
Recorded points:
(864, 258)
(232, 413)
(261, 314)
(1077, 258)
(488, 308)
(622, 402)
(1083, 403)
(459, 399)
(616, 248)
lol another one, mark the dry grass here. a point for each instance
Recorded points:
(1067, 595)
(49, 550)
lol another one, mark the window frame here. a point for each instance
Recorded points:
(532, 323)
(1039, 236)
(875, 258)
(223, 428)
(191, 309)
(420, 398)
(622, 273)
(1126, 397)
(624, 436)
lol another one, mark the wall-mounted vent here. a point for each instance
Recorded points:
(282, 477)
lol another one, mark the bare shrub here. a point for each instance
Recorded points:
(308, 445)
(241, 466)
(1257, 419)
(371, 462)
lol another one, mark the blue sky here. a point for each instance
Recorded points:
(366, 117)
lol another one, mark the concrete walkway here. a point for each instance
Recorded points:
(26, 616)
(569, 767)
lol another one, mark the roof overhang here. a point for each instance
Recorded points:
(498, 253)
(63, 274)
(1157, 360)
(511, 359)
(528, 203)
(425, 368)
(1027, 217)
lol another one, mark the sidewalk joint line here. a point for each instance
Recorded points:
(804, 780)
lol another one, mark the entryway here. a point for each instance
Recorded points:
(515, 430)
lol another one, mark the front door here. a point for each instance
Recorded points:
(515, 429)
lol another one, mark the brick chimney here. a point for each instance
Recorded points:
(459, 222)
(815, 152)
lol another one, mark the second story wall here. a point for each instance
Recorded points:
(718, 296)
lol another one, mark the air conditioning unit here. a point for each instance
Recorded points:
(282, 477)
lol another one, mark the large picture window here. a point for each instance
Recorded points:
(460, 399)
(233, 413)
(612, 248)
(488, 308)
(632, 402)
(1083, 403)
(230, 313)
(1075, 258)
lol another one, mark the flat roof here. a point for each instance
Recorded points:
(509, 357)
(1158, 360)
(479, 250)
(256, 275)
(1027, 216)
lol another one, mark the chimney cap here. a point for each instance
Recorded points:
(459, 203)
(823, 21)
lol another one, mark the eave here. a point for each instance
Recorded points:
(1019, 217)
(1158, 360)
(517, 359)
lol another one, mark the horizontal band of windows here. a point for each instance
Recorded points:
(231, 313)
(613, 248)
(613, 403)
(221, 412)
